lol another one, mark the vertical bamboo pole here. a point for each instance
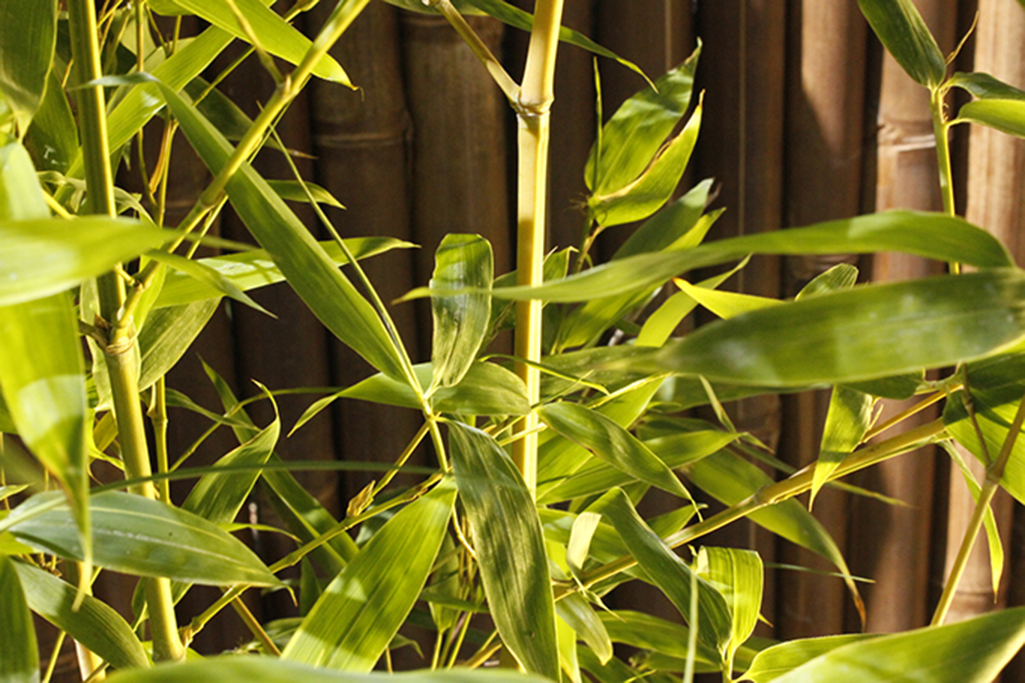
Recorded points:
(891, 544)
(741, 144)
(996, 170)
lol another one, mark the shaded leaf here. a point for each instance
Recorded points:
(648, 632)
(509, 544)
(840, 276)
(19, 653)
(737, 575)
(53, 136)
(901, 30)
(294, 191)
(28, 35)
(985, 87)
(359, 612)
(208, 276)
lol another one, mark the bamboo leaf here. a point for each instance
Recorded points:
(581, 617)
(272, 32)
(725, 304)
(360, 611)
(985, 87)
(647, 632)
(737, 575)
(635, 133)
(663, 321)
(972, 651)
(274, 670)
(901, 30)
(773, 662)
(28, 36)
(841, 276)
(145, 537)
(252, 269)
(461, 321)
(208, 276)
(931, 235)
(292, 190)
(307, 267)
(667, 570)
(510, 547)
(645, 194)
(847, 420)
(19, 653)
(94, 624)
(53, 136)
(861, 334)
(168, 334)
(1007, 116)
(677, 226)
(612, 443)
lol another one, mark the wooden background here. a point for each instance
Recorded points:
(805, 120)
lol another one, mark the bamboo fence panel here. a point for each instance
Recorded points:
(361, 141)
(996, 172)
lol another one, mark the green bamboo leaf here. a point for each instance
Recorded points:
(679, 225)
(866, 333)
(274, 670)
(647, 632)
(847, 420)
(567, 643)
(581, 617)
(460, 322)
(840, 276)
(579, 545)
(293, 191)
(208, 276)
(738, 575)
(307, 267)
(675, 451)
(168, 334)
(93, 624)
(359, 612)
(994, 423)
(972, 651)
(53, 136)
(931, 235)
(252, 269)
(510, 547)
(19, 653)
(616, 671)
(665, 568)
(725, 304)
(41, 363)
(272, 33)
(773, 662)
(645, 194)
(631, 139)
(663, 321)
(612, 443)
(985, 87)
(145, 537)
(902, 31)
(28, 36)
(1007, 116)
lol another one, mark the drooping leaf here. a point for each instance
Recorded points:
(509, 543)
(648, 632)
(847, 420)
(28, 36)
(461, 321)
(94, 624)
(677, 226)
(972, 651)
(19, 653)
(293, 191)
(737, 575)
(985, 87)
(841, 276)
(208, 276)
(612, 443)
(582, 618)
(274, 670)
(360, 611)
(725, 304)
(253, 269)
(136, 535)
(1007, 116)
(773, 662)
(902, 31)
(168, 334)
(271, 32)
(671, 574)
(931, 235)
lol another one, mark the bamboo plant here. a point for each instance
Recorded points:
(506, 547)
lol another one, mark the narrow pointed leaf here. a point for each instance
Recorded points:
(28, 35)
(972, 651)
(840, 276)
(661, 324)
(582, 618)
(208, 276)
(510, 547)
(271, 32)
(985, 86)
(294, 191)
(671, 574)
(773, 662)
(648, 632)
(53, 136)
(612, 443)
(725, 304)
(461, 321)
(145, 537)
(1007, 116)
(848, 419)
(738, 575)
(638, 129)
(252, 269)
(19, 653)
(360, 611)
(931, 235)
(677, 225)
(274, 670)
(902, 31)
(168, 334)
(94, 624)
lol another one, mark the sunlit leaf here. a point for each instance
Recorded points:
(848, 419)
(208, 276)
(509, 544)
(737, 575)
(582, 618)
(360, 611)
(986, 87)
(28, 35)
(902, 31)
(19, 653)
(773, 662)
(1007, 116)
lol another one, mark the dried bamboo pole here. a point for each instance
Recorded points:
(361, 141)
(996, 170)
